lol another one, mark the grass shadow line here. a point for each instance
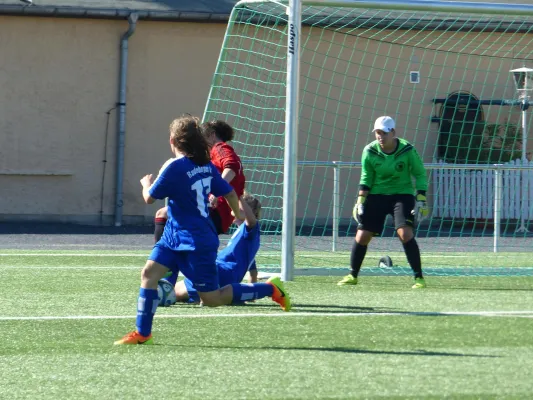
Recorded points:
(350, 350)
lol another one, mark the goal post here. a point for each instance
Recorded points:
(294, 11)
(302, 82)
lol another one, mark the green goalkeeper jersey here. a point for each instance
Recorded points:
(392, 173)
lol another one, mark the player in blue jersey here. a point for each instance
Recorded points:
(238, 257)
(190, 241)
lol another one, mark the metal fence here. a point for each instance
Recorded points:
(459, 190)
(469, 193)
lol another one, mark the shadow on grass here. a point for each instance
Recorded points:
(324, 308)
(302, 310)
(481, 289)
(342, 350)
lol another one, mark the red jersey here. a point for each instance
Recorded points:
(223, 156)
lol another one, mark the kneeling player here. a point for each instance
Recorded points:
(236, 259)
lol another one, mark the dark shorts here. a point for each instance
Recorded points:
(378, 206)
(217, 221)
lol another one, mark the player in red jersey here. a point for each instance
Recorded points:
(228, 163)
(218, 134)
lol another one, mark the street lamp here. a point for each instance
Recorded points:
(523, 79)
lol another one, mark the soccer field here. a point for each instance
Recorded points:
(463, 337)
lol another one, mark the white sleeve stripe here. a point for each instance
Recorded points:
(163, 168)
(165, 165)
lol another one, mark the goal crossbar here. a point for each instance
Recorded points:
(416, 5)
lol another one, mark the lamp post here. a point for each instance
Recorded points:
(523, 79)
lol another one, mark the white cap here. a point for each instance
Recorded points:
(385, 124)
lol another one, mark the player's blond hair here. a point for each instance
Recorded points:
(253, 202)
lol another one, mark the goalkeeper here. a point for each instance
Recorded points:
(386, 187)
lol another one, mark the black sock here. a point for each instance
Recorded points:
(159, 228)
(413, 257)
(356, 258)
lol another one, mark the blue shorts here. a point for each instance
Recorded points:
(198, 266)
(193, 293)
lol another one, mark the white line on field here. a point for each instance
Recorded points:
(523, 314)
(71, 267)
(424, 255)
(309, 255)
(74, 255)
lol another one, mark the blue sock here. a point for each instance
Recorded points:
(172, 278)
(250, 291)
(146, 306)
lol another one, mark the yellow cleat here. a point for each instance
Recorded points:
(135, 338)
(347, 281)
(280, 295)
(420, 283)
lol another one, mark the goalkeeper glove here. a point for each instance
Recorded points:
(359, 209)
(421, 208)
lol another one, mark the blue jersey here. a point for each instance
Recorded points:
(238, 256)
(187, 186)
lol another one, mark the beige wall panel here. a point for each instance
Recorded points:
(171, 66)
(58, 78)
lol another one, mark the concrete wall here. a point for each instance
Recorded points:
(59, 77)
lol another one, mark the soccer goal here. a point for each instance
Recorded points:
(302, 83)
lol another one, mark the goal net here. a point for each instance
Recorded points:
(443, 74)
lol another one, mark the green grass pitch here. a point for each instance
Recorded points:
(463, 337)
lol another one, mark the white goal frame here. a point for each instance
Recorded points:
(293, 10)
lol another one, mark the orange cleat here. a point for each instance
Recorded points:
(135, 338)
(280, 295)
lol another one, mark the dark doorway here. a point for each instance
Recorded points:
(462, 122)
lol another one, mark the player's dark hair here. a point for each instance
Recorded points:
(186, 135)
(253, 202)
(221, 129)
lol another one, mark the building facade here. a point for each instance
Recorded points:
(60, 105)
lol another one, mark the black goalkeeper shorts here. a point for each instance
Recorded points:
(378, 206)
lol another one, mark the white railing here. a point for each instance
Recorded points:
(488, 191)
(470, 193)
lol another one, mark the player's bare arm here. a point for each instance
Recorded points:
(146, 183)
(228, 174)
(233, 202)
